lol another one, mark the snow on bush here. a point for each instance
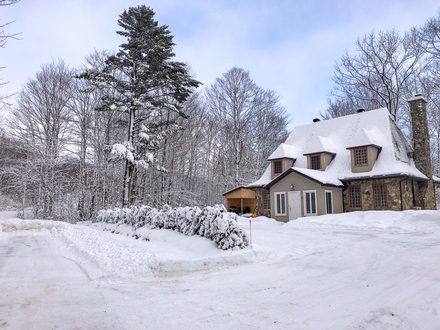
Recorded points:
(212, 222)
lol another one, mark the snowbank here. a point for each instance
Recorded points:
(402, 222)
(359, 270)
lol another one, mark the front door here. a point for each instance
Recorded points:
(294, 204)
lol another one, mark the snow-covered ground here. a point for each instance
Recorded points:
(363, 270)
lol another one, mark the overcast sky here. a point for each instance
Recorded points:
(289, 46)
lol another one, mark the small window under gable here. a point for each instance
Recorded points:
(315, 162)
(278, 166)
(360, 156)
(319, 161)
(363, 158)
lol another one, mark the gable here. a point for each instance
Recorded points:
(318, 177)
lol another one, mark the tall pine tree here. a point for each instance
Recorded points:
(146, 85)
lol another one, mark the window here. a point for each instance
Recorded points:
(354, 193)
(266, 200)
(329, 201)
(310, 202)
(315, 162)
(278, 166)
(360, 157)
(280, 203)
(380, 196)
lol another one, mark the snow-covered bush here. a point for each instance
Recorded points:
(212, 222)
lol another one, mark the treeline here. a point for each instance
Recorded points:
(129, 128)
(56, 157)
(386, 70)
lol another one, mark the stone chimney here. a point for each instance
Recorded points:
(424, 192)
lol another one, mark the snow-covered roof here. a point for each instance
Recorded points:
(323, 178)
(263, 180)
(374, 127)
(365, 137)
(283, 151)
(233, 189)
(321, 144)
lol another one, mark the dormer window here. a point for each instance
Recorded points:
(363, 158)
(319, 160)
(315, 162)
(360, 156)
(278, 166)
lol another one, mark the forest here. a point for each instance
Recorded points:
(134, 127)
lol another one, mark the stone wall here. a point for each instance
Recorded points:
(259, 204)
(425, 193)
(396, 188)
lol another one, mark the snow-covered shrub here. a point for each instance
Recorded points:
(189, 220)
(222, 227)
(142, 216)
(158, 219)
(212, 222)
(170, 215)
(106, 216)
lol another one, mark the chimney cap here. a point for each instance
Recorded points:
(315, 120)
(417, 97)
(360, 110)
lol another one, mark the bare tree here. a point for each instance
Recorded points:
(231, 99)
(4, 36)
(380, 74)
(40, 122)
(428, 36)
(250, 122)
(268, 124)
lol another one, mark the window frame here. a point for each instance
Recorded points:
(383, 193)
(319, 163)
(266, 200)
(279, 211)
(327, 201)
(275, 163)
(361, 157)
(359, 191)
(313, 202)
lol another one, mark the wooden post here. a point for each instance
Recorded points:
(250, 232)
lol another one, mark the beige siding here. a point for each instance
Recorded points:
(302, 184)
(325, 160)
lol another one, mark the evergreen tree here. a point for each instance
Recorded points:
(147, 86)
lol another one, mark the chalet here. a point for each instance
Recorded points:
(357, 162)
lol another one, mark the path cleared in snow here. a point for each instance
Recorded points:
(373, 270)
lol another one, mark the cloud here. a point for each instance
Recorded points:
(288, 46)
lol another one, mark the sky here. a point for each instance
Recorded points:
(289, 46)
